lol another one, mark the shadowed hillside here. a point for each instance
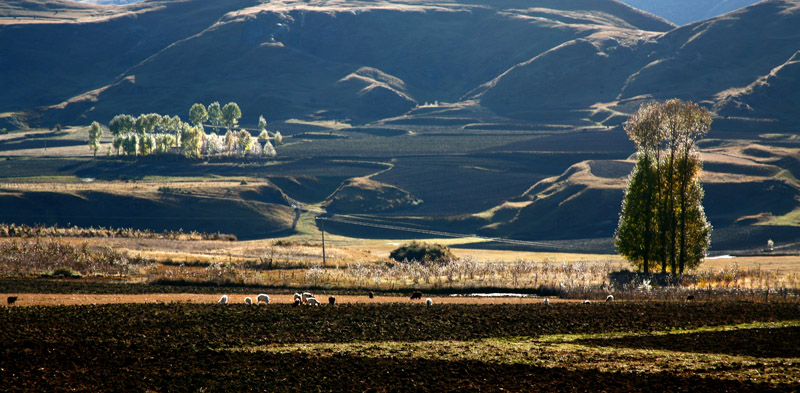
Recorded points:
(694, 62)
(289, 59)
(683, 12)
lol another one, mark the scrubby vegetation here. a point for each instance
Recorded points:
(424, 253)
(25, 258)
(37, 231)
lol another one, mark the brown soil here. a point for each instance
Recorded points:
(50, 299)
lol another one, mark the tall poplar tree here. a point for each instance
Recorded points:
(662, 217)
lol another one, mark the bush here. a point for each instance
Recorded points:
(422, 252)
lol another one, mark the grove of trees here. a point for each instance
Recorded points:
(662, 219)
(159, 134)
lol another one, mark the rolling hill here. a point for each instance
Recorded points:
(682, 12)
(444, 112)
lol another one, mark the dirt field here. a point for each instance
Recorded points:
(394, 347)
(49, 299)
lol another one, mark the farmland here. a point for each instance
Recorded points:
(391, 347)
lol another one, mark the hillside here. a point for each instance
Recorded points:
(617, 71)
(749, 197)
(500, 118)
(682, 12)
(285, 59)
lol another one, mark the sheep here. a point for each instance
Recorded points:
(305, 296)
(223, 299)
(11, 300)
(429, 302)
(690, 298)
(586, 302)
(609, 298)
(331, 300)
(248, 300)
(297, 298)
(371, 294)
(416, 295)
(312, 301)
(546, 301)
(263, 297)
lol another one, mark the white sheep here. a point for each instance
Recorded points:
(429, 301)
(305, 296)
(610, 298)
(312, 301)
(586, 302)
(263, 297)
(546, 301)
(223, 299)
(297, 298)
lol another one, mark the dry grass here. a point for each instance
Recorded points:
(48, 299)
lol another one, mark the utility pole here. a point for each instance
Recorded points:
(322, 227)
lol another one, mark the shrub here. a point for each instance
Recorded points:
(422, 252)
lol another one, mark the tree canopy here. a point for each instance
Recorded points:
(662, 217)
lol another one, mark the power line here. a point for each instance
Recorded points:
(347, 220)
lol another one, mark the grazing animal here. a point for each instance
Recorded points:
(371, 294)
(586, 302)
(546, 301)
(11, 300)
(331, 300)
(416, 295)
(312, 301)
(296, 303)
(248, 300)
(429, 302)
(223, 299)
(690, 298)
(610, 298)
(305, 296)
(262, 298)
(298, 297)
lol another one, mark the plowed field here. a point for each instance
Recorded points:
(623, 346)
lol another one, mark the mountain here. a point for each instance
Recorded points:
(284, 59)
(683, 12)
(616, 70)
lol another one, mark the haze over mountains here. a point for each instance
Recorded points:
(543, 85)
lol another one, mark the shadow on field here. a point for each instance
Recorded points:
(781, 342)
(120, 367)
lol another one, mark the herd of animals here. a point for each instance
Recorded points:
(307, 298)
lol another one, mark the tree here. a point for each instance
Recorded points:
(662, 216)
(191, 140)
(121, 124)
(231, 115)
(268, 150)
(129, 144)
(95, 133)
(215, 114)
(635, 236)
(262, 123)
(243, 140)
(198, 114)
(230, 141)
(278, 138)
(263, 136)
